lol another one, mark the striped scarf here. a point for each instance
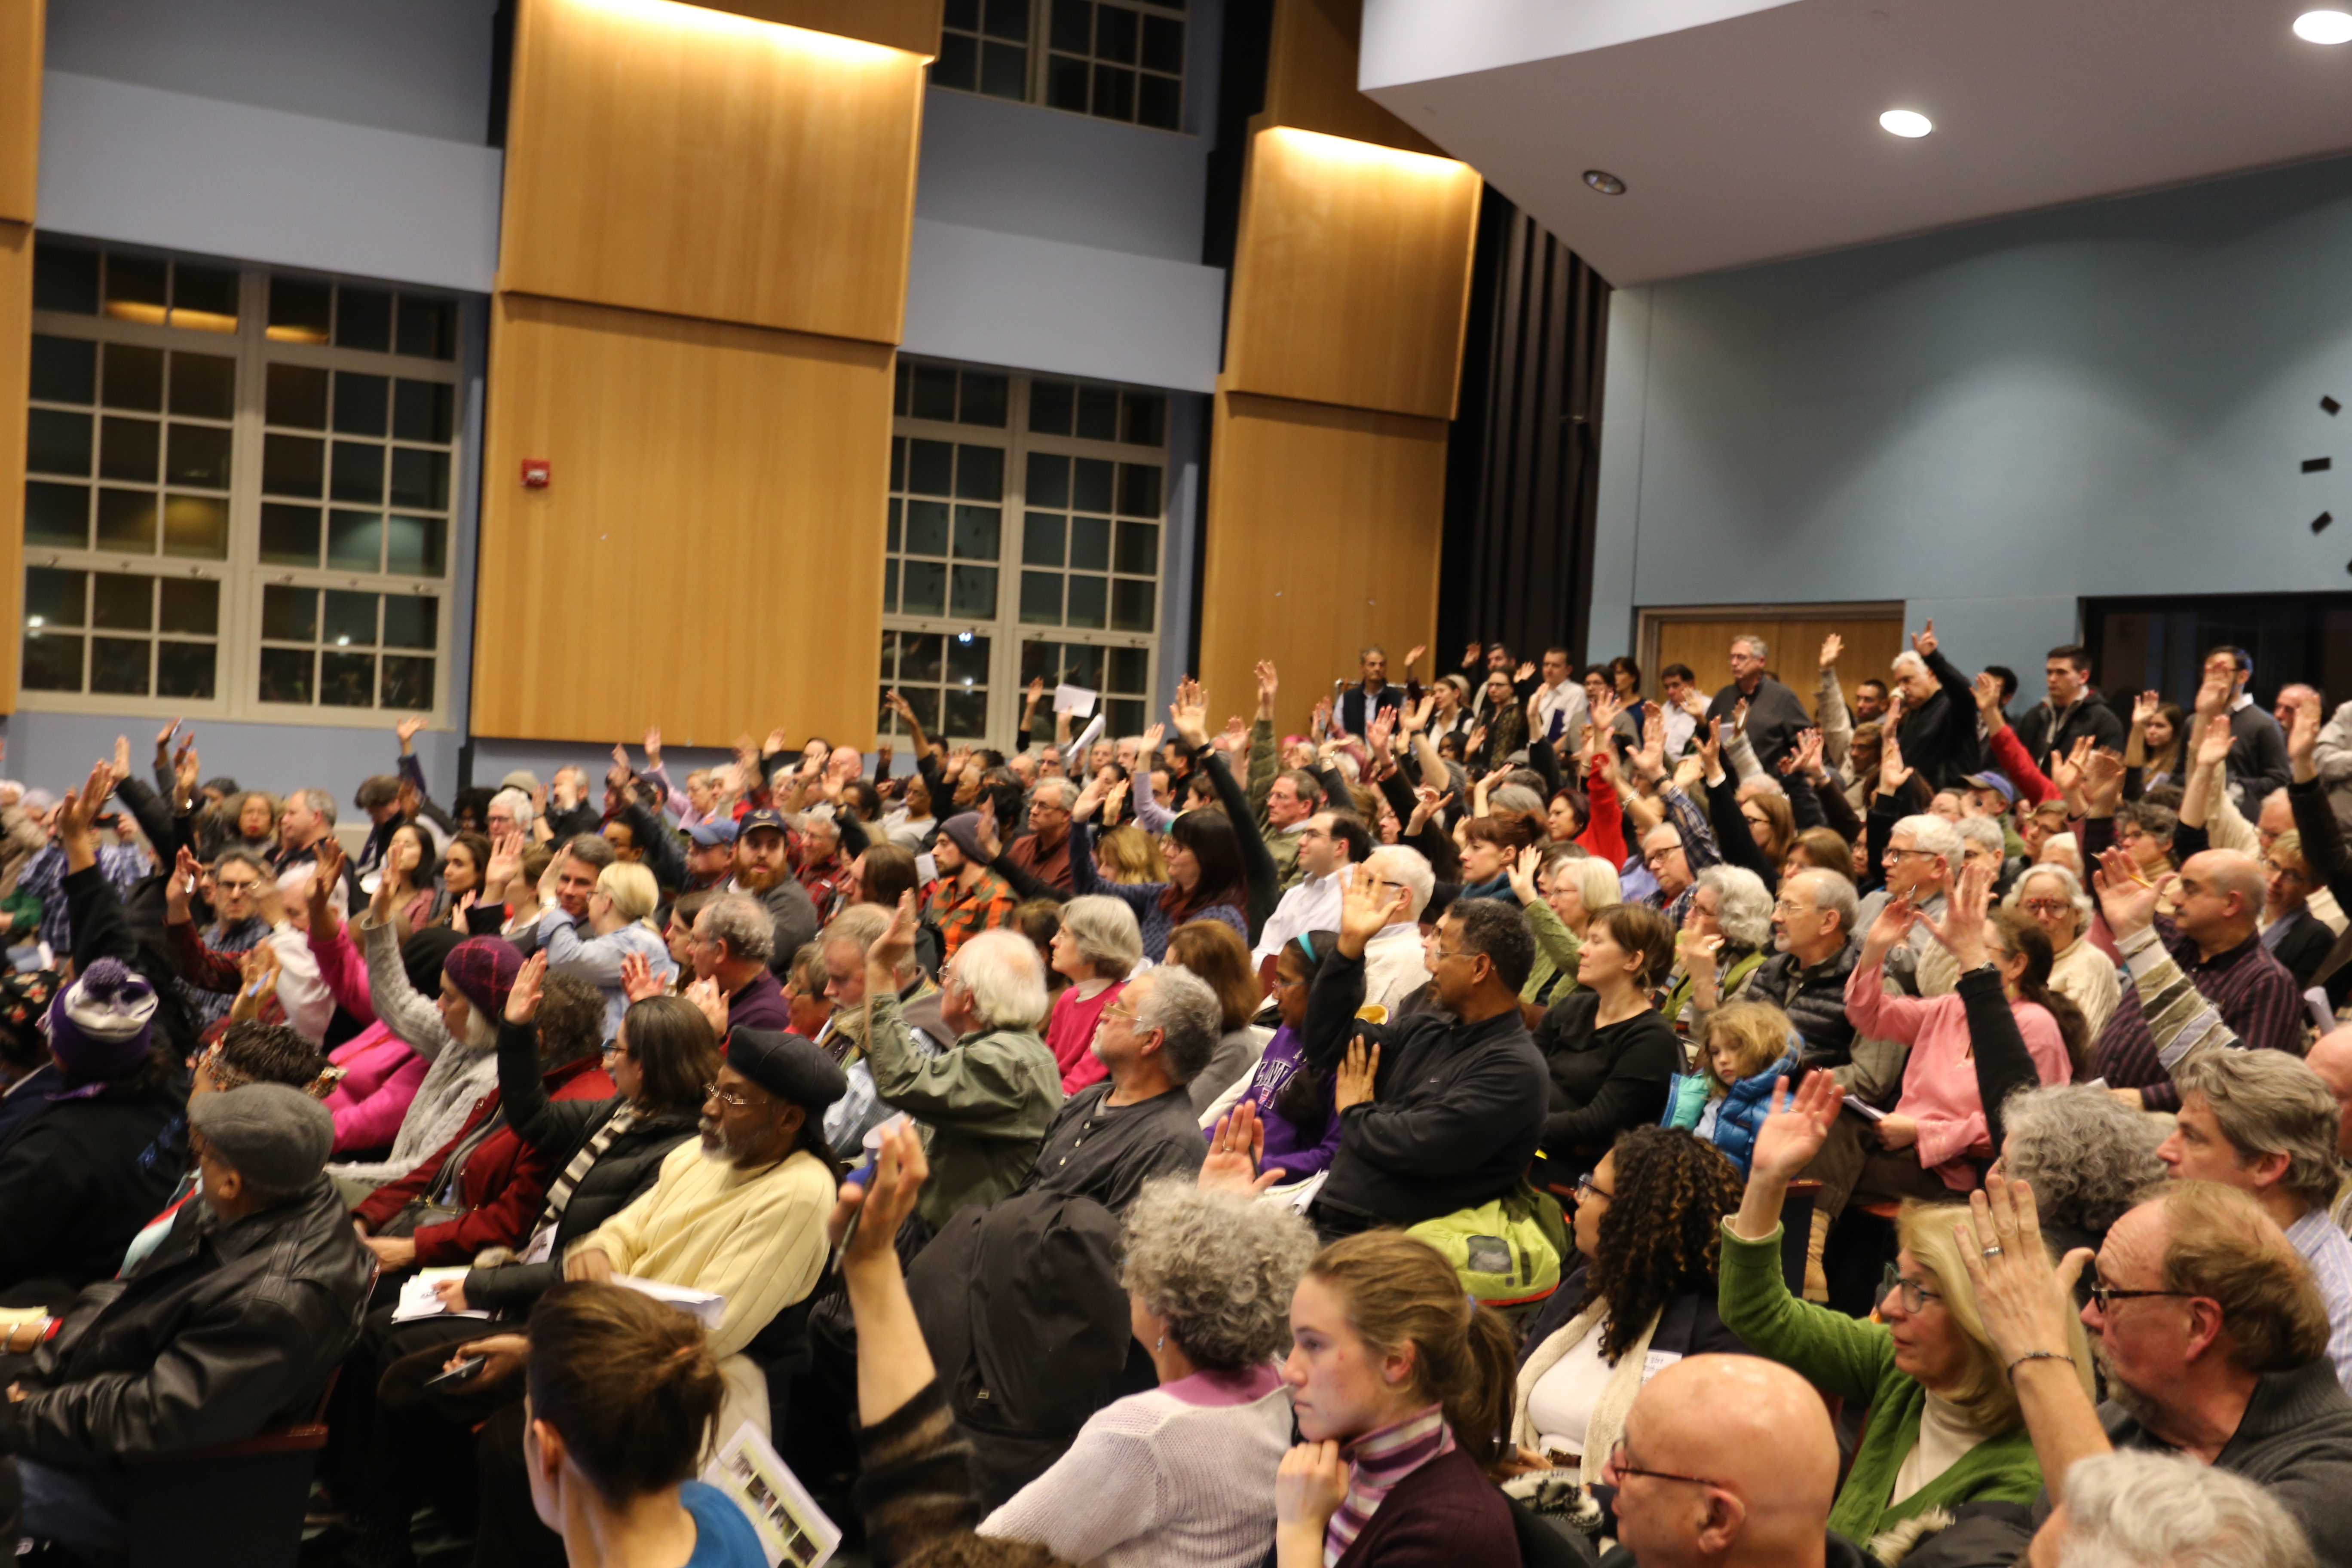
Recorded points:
(1382, 1458)
(559, 1197)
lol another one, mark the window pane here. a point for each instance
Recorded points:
(927, 528)
(57, 514)
(289, 536)
(922, 588)
(1083, 666)
(1097, 414)
(419, 477)
(185, 669)
(1049, 481)
(899, 456)
(358, 472)
(1086, 597)
(1092, 491)
(967, 661)
(52, 663)
(958, 62)
(1123, 716)
(1131, 605)
(65, 370)
(205, 297)
(347, 679)
(134, 377)
(979, 472)
(289, 615)
(1130, 668)
(198, 454)
(118, 666)
(410, 620)
(65, 278)
(925, 701)
(1138, 548)
(296, 396)
(963, 15)
(1138, 490)
(57, 442)
(977, 534)
(204, 385)
(191, 605)
(195, 526)
(128, 449)
(134, 288)
(919, 657)
(1050, 405)
(890, 530)
(429, 328)
(355, 541)
(408, 682)
(350, 620)
(360, 403)
(966, 712)
(1008, 19)
(1041, 539)
(933, 392)
(126, 520)
(931, 468)
(1041, 598)
(974, 592)
(983, 400)
(1115, 34)
(1073, 26)
(1004, 70)
(362, 317)
(1114, 90)
(299, 311)
(416, 546)
(1160, 102)
(1146, 413)
(889, 587)
(423, 410)
(286, 674)
(1163, 45)
(54, 597)
(293, 465)
(1089, 543)
(121, 603)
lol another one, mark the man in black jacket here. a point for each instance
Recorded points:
(1438, 1111)
(229, 1326)
(2071, 711)
(1937, 729)
(1774, 713)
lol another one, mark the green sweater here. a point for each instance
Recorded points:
(1557, 949)
(1854, 1359)
(984, 1105)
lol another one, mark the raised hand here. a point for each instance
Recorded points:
(892, 948)
(1154, 736)
(884, 1200)
(2025, 1302)
(1365, 911)
(1710, 750)
(653, 747)
(1832, 645)
(2212, 699)
(522, 1001)
(1740, 716)
(1412, 656)
(1689, 771)
(1522, 872)
(408, 730)
(638, 981)
(186, 768)
(1962, 932)
(2303, 736)
(1189, 714)
(1795, 1127)
(1924, 643)
(1428, 803)
(2214, 740)
(1473, 653)
(1604, 710)
(2103, 782)
(984, 835)
(121, 765)
(1649, 762)
(1892, 772)
(1268, 683)
(2127, 897)
(180, 887)
(1090, 799)
(711, 1002)
(1887, 931)
(1987, 687)
(1235, 1150)
(1381, 732)
(2144, 708)
(1808, 756)
(1525, 672)
(164, 739)
(505, 862)
(258, 969)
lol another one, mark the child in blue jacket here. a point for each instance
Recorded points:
(1748, 1045)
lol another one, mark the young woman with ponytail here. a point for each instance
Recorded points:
(1402, 1385)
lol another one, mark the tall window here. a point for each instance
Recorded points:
(239, 490)
(1024, 543)
(1115, 60)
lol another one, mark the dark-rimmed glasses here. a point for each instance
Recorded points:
(1915, 1295)
(2107, 1295)
(1618, 1466)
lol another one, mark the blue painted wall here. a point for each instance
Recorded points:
(1993, 423)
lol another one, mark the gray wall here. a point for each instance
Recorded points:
(1993, 423)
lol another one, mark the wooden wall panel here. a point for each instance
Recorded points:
(1792, 641)
(909, 25)
(708, 555)
(1323, 533)
(20, 106)
(672, 158)
(16, 352)
(1351, 277)
(1310, 78)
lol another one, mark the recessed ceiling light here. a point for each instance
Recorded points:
(2323, 28)
(1607, 183)
(1905, 123)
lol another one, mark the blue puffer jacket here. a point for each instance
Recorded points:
(1738, 1115)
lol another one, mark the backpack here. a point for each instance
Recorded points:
(1501, 1250)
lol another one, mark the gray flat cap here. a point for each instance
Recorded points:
(273, 1136)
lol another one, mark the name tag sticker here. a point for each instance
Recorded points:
(1657, 1362)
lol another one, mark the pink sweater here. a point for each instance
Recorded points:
(1939, 1078)
(343, 973)
(1070, 1033)
(380, 1078)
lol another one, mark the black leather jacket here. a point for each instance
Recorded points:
(221, 1332)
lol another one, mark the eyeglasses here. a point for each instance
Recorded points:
(1120, 1010)
(1282, 985)
(612, 1048)
(1618, 1466)
(711, 1091)
(1893, 855)
(1915, 1295)
(1654, 859)
(2107, 1295)
(1587, 1189)
(2046, 906)
(2288, 872)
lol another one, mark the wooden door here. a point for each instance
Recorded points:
(1793, 636)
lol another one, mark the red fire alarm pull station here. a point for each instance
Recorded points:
(535, 473)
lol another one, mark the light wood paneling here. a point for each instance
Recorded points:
(909, 25)
(1324, 531)
(1352, 275)
(16, 350)
(1792, 642)
(20, 107)
(673, 158)
(708, 555)
(1310, 78)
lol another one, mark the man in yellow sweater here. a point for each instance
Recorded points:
(741, 1214)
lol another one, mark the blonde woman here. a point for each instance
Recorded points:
(619, 923)
(1129, 857)
(1559, 889)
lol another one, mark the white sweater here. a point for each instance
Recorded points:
(1181, 1477)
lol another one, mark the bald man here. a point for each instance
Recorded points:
(1727, 1460)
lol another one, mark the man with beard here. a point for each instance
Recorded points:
(763, 869)
(2210, 1333)
(741, 1211)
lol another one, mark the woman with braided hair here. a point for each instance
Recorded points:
(1649, 1226)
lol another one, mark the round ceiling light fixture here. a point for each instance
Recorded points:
(1607, 183)
(2323, 28)
(1907, 123)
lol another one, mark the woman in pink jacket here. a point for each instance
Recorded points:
(379, 1071)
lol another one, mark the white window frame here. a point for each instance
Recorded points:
(1041, 50)
(1006, 631)
(242, 574)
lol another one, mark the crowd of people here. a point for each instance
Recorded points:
(1502, 1120)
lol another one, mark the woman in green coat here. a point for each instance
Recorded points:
(1944, 1426)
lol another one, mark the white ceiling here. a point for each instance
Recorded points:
(1748, 130)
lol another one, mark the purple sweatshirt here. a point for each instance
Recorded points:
(1298, 1152)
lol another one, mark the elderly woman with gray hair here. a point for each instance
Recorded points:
(1727, 934)
(2079, 969)
(1183, 1475)
(2087, 1157)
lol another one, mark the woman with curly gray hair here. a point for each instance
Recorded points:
(2087, 1157)
(1184, 1475)
(1727, 934)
